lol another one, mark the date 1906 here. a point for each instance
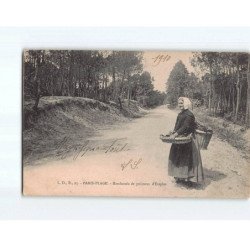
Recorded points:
(131, 164)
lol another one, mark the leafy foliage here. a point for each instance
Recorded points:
(180, 83)
(223, 86)
(101, 75)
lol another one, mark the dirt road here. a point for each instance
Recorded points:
(130, 159)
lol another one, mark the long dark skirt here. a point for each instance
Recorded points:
(185, 161)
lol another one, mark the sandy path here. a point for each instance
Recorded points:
(140, 168)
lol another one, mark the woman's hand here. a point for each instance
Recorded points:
(172, 136)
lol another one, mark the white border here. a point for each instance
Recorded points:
(124, 13)
(13, 40)
(124, 235)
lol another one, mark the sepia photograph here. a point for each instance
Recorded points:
(135, 123)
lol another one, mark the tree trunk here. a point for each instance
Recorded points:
(115, 85)
(120, 102)
(115, 93)
(210, 91)
(37, 82)
(128, 96)
(36, 102)
(62, 86)
(233, 101)
(181, 91)
(229, 99)
(105, 88)
(122, 86)
(248, 95)
(238, 91)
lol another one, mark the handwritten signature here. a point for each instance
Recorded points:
(160, 59)
(132, 164)
(80, 150)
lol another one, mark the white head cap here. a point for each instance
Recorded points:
(187, 104)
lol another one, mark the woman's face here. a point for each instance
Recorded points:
(180, 104)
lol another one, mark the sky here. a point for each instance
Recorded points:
(159, 64)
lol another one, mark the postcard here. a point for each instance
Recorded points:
(136, 123)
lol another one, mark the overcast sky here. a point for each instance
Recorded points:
(160, 64)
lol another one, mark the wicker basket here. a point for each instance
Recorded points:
(177, 140)
(203, 137)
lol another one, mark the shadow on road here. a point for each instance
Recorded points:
(209, 175)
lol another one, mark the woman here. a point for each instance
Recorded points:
(184, 159)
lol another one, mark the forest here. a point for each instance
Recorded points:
(106, 76)
(220, 83)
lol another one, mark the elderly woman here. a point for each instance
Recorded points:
(184, 159)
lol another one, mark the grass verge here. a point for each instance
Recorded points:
(234, 134)
(67, 120)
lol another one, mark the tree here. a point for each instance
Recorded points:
(248, 94)
(224, 76)
(155, 98)
(144, 88)
(122, 66)
(35, 62)
(177, 82)
(101, 75)
(207, 62)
